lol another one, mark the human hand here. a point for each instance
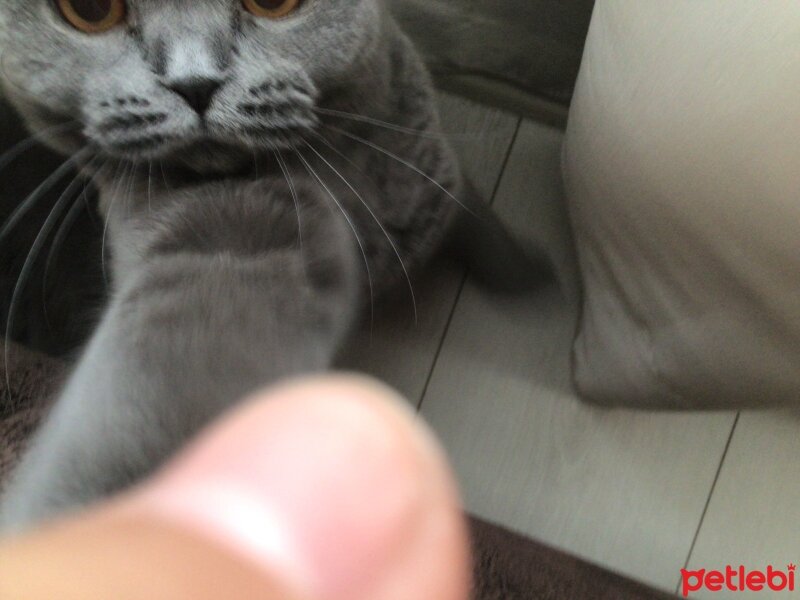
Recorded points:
(320, 489)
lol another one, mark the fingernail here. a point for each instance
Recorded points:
(320, 484)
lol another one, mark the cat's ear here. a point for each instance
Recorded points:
(495, 258)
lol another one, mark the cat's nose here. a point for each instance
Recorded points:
(197, 91)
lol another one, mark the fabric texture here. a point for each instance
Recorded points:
(507, 566)
(25, 392)
(682, 170)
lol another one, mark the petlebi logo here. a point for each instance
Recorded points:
(738, 579)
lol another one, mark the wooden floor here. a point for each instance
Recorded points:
(640, 493)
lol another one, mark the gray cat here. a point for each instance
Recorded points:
(268, 170)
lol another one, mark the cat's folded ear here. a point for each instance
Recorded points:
(494, 257)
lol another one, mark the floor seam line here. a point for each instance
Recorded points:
(710, 495)
(465, 275)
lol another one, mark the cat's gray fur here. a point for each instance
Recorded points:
(227, 272)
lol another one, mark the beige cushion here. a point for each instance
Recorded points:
(682, 169)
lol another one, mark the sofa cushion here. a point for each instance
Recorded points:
(682, 169)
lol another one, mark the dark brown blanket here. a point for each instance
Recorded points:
(507, 566)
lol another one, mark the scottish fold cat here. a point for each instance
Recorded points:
(267, 171)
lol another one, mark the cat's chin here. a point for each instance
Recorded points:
(204, 160)
(211, 161)
(209, 158)
(203, 156)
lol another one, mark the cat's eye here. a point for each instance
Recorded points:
(271, 9)
(92, 16)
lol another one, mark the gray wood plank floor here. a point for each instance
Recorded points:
(752, 516)
(640, 493)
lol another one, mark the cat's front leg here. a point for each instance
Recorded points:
(193, 330)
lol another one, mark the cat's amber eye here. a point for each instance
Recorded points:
(92, 16)
(271, 9)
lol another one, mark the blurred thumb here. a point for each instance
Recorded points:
(323, 489)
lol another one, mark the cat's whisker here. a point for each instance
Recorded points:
(55, 214)
(403, 162)
(377, 221)
(343, 156)
(85, 195)
(255, 163)
(288, 176)
(390, 126)
(33, 199)
(80, 205)
(131, 185)
(350, 222)
(117, 189)
(58, 241)
(32, 141)
(346, 158)
(163, 174)
(149, 187)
